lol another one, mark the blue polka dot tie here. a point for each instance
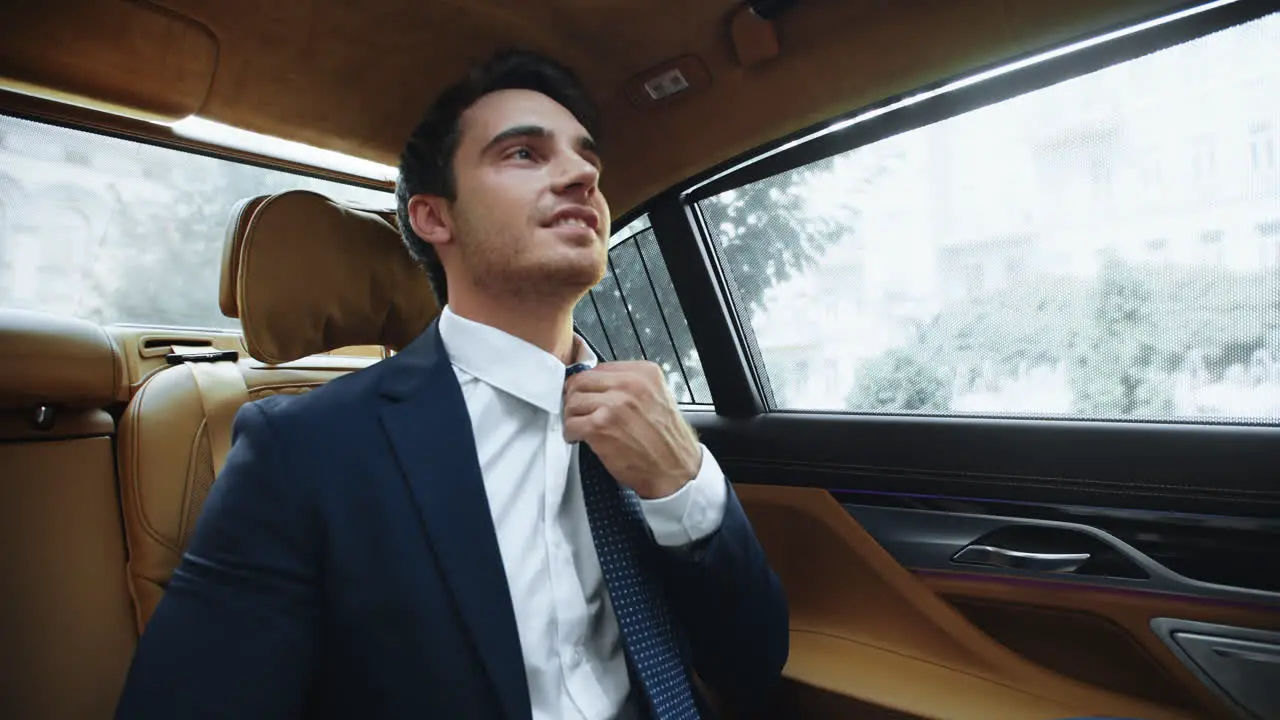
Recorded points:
(620, 534)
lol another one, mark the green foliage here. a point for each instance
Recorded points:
(1113, 371)
(765, 238)
(1124, 336)
(899, 381)
(1225, 313)
(1036, 320)
(764, 235)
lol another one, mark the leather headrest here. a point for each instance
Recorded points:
(240, 216)
(312, 275)
(50, 359)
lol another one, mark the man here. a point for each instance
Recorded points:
(460, 531)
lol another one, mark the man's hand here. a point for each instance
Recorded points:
(625, 412)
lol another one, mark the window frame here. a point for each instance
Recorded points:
(734, 372)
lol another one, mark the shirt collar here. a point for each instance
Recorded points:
(508, 363)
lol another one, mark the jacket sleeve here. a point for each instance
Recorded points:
(732, 609)
(235, 633)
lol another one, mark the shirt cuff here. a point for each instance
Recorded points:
(694, 511)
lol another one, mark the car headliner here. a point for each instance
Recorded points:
(354, 77)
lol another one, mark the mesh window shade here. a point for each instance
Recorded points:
(634, 314)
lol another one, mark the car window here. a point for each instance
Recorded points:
(634, 314)
(1107, 247)
(111, 230)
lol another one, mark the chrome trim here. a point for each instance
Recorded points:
(1035, 561)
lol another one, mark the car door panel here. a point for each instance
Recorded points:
(883, 618)
(866, 628)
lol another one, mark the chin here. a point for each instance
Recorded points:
(582, 275)
(559, 277)
(587, 261)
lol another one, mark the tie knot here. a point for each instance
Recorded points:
(575, 368)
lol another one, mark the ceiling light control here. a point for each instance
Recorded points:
(666, 84)
(672, 82)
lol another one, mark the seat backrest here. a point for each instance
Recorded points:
(66, 624)
(306, 276)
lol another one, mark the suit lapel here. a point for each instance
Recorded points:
(430, 430)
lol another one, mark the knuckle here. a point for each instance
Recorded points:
(632, 401)
(637, 367)
(636, 383)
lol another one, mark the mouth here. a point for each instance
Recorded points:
(578, 216)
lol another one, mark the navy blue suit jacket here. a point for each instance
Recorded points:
(346, 565)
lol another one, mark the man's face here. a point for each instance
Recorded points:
(529, 219)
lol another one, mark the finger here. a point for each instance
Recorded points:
(579, 402)
(628, 368)
(579, 427)
(597, 379)
(628, 373)
(621, 365)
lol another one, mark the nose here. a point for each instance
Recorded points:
(576, 176)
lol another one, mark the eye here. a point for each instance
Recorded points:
(523, 152)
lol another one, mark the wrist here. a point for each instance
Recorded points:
(672, 483)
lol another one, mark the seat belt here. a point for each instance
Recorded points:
(222, 393)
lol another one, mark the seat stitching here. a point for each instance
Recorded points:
(188, 485)
(134, 474)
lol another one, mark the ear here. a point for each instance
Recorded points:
(429, 216)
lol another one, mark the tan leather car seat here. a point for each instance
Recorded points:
(305, 275)
(66, 625)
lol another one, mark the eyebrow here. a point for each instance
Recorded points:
(585, 142)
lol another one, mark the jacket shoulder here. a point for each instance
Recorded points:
(345, 397)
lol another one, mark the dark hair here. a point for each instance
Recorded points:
(426, 165)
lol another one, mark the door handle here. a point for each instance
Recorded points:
(1017, 559)
(1265, 655)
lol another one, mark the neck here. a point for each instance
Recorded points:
(546, 324)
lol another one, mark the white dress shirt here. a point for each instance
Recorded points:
(573, 656)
